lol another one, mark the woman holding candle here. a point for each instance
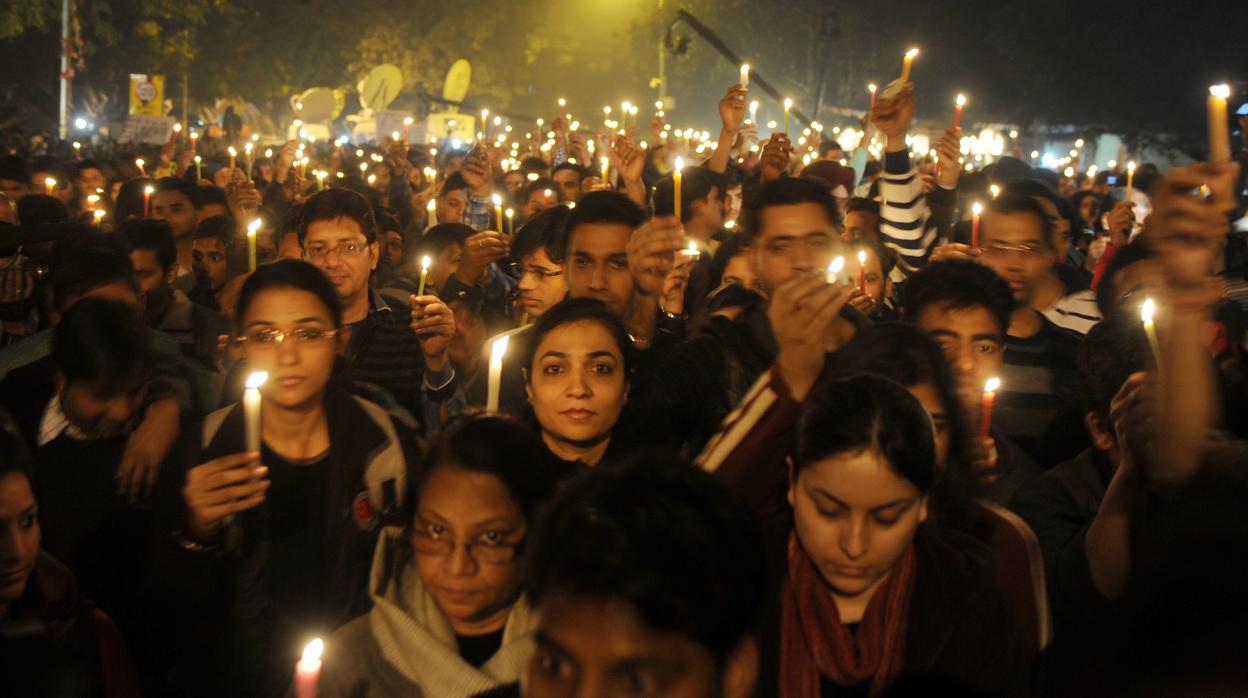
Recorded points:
(289, 568)
(448, 619)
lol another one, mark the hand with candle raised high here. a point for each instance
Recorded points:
(652, 252)
(774, 161)
(1188, 231)
(434, 324)
(892, 116)
(480, 251)
(243, 199)
(1119, 223)
(221, 488)
(672, 300)
(800, 312)
(476, 171)
(949, 155)
(629, 159)
(284, 161)
(862, 302)
(732, 108)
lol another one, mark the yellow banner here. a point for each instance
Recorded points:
(147, 94)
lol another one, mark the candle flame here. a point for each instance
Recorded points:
(991, 385)
(50, 182)
(563, 102)
(149, 189)
(499, 348)
(254, 381)
(432, 205)
(1223, 91)
(977, 208)
(862, 257)
(1131, 166)
(99, 213)
(871, 87)
(408, 121)
(788, 103)
(249, 147)
(498, 200)
(1147, 310)
(960, 101)
(253, 227)
(140, 162)
(425, 262)
(912, 53)
(837, 265)
(680, 163)
(177, 128)
(198, 159)
(232, 151)
(995, 190)
(509, 213)
(313, 650)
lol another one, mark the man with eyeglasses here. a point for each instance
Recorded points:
(338, 233)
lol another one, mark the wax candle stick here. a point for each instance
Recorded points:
(247, 151)
(872, 88)
(907, 63)
(1219, 135)
(511, 221)
(1130, 180)
(99, 216)
(424, 274)
(252, 229)
(745, 75)
(976, 210)
(605, 166)
(320, 179)
(677, 176)
(754, 110)
(862, 271)
(1146, 315)
(497, 350)
(308, 670)
(990, 396)
(233, 157)
(147, 200)
(788, 106)
(407, 129)
(834, 270)
(139, 162)
(49, 185)
(251, 411)
(958, 104)
(77, 150)
(498, 210)
(691, 250)
(199, 168)
(431, 212)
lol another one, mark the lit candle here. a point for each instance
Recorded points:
(862, 271)
(994, 190)
(247, 151)
(77, 150)
(498, 210)
(754, 110)
(1130, 179)
(251, 411)
(372, 179)
(872, 88)
(990, 396)
(140, 162)
(308, 670)
(252, 229)
(605, 164)
(320, 179)
(907, 63)
(835, 269)
(431, 211)
(691, 250)
(497, 350)
(99, 216)
(957, 109)
(1146, 315)
(788, 106)
(976, 210)
(194, 140)
(1219, 136)
(199, 167)
(49, 185)
(745, 75)
(147, 200)
(625, 108)
(563, 109)
(677, 175)
(511, 221)
(233, 154)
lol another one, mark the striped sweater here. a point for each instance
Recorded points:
(906, 223)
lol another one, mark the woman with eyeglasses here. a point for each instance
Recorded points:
(448, 619)
(282, 537)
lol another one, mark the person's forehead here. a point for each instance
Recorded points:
(16, 495)
(208, 245)
(607, 632)
(794, 219)
(600, 238)
(340, 228)
(143, 257)
(1013, 226)
(964, 320)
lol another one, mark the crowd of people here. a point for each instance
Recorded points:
(793, 420)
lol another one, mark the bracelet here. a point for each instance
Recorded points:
(188, 544)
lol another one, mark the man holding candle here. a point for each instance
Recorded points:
(874, 297)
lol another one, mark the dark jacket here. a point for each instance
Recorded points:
(225, 588)
(961, 632)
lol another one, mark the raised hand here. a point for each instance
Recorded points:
(775, 158)
(893, 113)
(434, 323)
(480, 251)
(801, 310)
(732, 108)
(949, 158)
(652, 252)
(220, 488)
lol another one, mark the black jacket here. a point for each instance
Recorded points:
(961, 634)
(234, 622)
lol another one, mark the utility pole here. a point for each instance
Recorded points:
(65, 75)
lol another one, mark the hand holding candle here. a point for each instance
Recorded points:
(991, 386)
(497, 350)
(308, 670)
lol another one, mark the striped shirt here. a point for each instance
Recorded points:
(1077, 312)
(1038, 378)
(906, 227)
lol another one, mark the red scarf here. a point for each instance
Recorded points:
(814, 641)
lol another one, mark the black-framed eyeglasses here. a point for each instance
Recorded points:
(491, 547)
(345, 249)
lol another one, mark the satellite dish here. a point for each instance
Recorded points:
(381, 87)
(457, 79)
(318, 105)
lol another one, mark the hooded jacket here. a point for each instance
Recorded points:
(405, 646)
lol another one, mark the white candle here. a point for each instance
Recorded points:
(251, 410)
(745, 75)
(497, 350)
(834, 270)
(432, 209)
(692, 250)
(140, 162)
(308, 670)
(1130, 180)
(1146, 314)
(424, 274)
(906, 64)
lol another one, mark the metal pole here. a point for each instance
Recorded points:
(64, 75)
(662, 59)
